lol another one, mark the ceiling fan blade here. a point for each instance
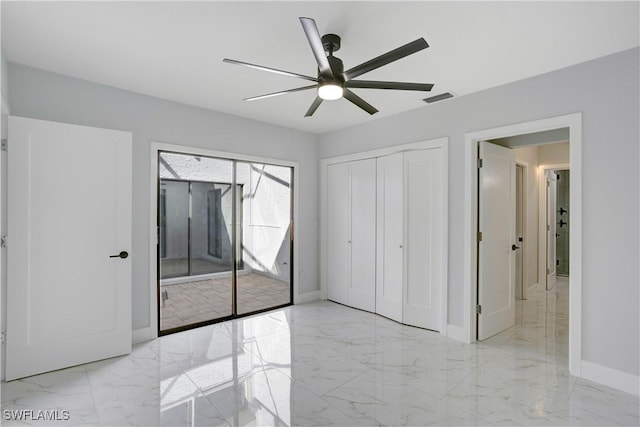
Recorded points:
(368, 84)
(314, 106)
(359, 102)
(271, 70)
(315, 41)
(386, 58)
(282, 92)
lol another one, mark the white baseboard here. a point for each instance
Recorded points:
(140, 335)
(613, 378)
(307, 297)
(457, 333)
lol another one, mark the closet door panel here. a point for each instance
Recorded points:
(338, 233)
(389, 283)
(362, 293)
(423, 238)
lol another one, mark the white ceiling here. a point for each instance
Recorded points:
(174, 50)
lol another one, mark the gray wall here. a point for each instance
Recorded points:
(43, 95)
(606, 92)
(4, 76)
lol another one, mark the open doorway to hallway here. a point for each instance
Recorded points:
(537, 158)
(473, 254)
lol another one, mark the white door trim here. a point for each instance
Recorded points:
(574, 123)
(442, 143)
(153, 195)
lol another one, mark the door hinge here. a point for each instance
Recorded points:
(3, 337)
(479, 163)
(479, 236)
(478, 309)
(4, 145)
(3, 241)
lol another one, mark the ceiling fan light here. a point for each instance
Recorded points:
(330, 91)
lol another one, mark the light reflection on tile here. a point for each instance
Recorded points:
(326, 364)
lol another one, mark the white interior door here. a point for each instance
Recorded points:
(496, 222)
(338, 232)
(390, 251)
(424, 235)
(552, 184)
(362, 292)
(69, 210)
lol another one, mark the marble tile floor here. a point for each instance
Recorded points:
(326, 364)
(203, 300)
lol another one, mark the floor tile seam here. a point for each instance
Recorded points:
(613, 422)
(326, 394)
(93, 396)
(597, 388)
(198, 392)
(206, 395)
(457, 384)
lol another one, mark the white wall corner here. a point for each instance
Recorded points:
(457, 333)
(307, 297)
(610, 377)
(141, 335)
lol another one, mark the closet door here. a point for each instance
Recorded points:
(362, 292)
(424, 236)
(390, 202)
(338, 232)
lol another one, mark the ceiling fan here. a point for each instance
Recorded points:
(332, 81)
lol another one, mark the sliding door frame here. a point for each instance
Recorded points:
(154, 270)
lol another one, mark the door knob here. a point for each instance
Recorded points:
(123, 255)
(514, 247)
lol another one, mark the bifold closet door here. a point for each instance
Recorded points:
(424, 236)
(390, 235)
(338, 232)
(410, 237)
(362, 292)
(351, 237)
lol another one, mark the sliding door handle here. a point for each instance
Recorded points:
(123, 255)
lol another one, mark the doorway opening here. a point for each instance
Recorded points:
(521, 228)
(570, 125)
(224, 246)
(563, 221)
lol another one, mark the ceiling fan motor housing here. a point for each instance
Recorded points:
(331, 43)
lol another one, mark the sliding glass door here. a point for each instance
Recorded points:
(266, 243)
(224, 239)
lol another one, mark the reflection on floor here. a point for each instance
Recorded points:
(326, 364)
(203, 300)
